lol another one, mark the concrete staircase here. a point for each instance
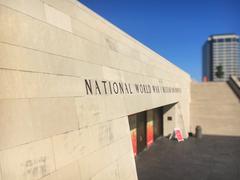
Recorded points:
(216, 108)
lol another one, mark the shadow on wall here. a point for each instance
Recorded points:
(168, 107)
(173, 118)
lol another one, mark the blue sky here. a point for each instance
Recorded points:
(176, 29)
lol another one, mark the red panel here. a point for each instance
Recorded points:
(178, 134)
(149, 133)
(134, 140)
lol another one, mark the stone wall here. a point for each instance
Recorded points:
(51, 128)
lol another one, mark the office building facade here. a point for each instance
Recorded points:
(221, 57)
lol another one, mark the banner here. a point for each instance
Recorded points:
(178, 134)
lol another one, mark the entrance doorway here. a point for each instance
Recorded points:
(145, 128)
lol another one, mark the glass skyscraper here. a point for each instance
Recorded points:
(221, 57)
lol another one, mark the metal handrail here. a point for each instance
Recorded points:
(235, 85)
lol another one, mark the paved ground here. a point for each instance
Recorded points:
(210, 158)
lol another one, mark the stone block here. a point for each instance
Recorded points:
(114, 107)
(113, 60)
(94, 53)
(119, 128)
(36, 61)
(90, 110)
(57, 18)
(71, 146)
(93, 163)
(144, 101)
(15, 123)
(125, 50)
(124, 145)
(32, 8)
(29, 161)
(111, 74)
(65, 6)
(133, 177)
(11, 84)
(18, 84)
(127, 63)
(126, 166)
(109, 173)
(53, 115)
(69, 172)
(101, 135)
(34, 34)
(81, 29)
(24, 120)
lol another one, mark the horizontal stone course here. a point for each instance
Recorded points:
(33, 119)
(32, 8)
(31, 161)
(72, 47)
(19, 84)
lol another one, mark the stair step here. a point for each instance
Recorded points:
(216, 108)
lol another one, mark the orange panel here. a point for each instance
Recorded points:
(149, 133)
(134, 140)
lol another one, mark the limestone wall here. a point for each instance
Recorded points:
(50, 127)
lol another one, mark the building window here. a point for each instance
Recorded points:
(220, 40)
(228, 39)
